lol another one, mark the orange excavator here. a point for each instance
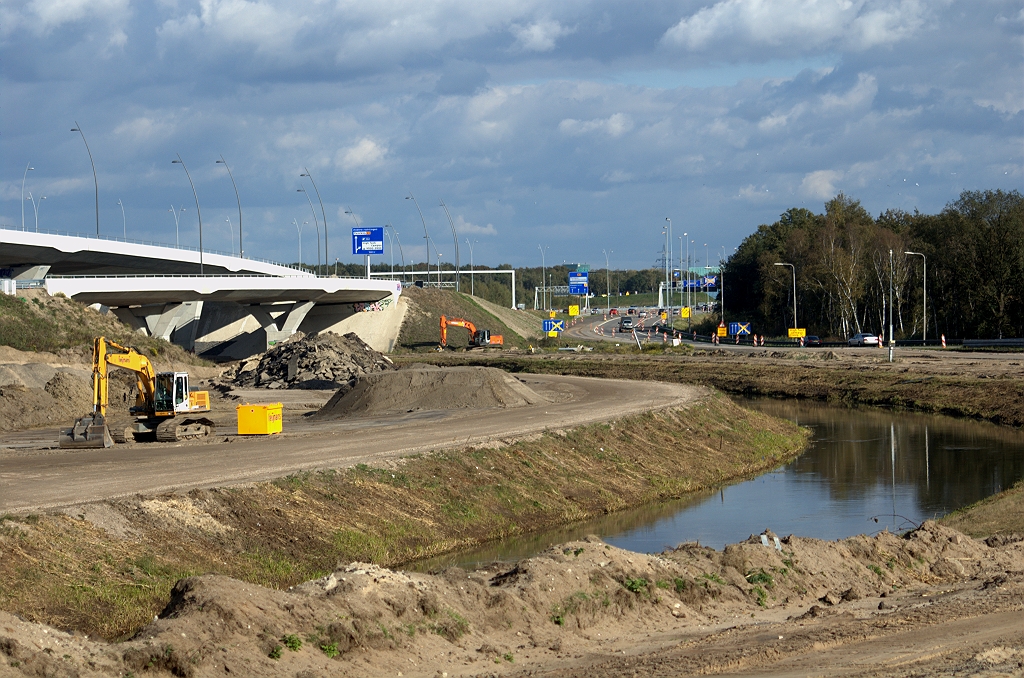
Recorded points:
(161, 410)
(477, 339)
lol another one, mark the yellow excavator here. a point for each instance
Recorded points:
(477, 338)
(161, 410)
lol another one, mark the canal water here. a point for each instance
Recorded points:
(865, 470)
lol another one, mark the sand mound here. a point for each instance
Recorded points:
(414, 389)
(62, 399)
(318, 361)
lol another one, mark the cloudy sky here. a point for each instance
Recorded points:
(579, 125)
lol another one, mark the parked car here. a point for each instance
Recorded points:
(626, 323)
(812, 340)
(863, 339)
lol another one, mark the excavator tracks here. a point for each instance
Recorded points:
(176, 430)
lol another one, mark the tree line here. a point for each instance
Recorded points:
(975, 270)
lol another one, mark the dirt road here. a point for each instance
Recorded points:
(34, 475)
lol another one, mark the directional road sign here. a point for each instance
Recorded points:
(368, 240)
(578, 282)
(554, 325)
(739, 328)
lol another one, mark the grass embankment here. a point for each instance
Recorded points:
(1000, 401)
(37, 322)
(1001, 513)
(67, 572)
(421, 329)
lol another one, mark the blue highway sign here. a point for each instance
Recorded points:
(368, 240)
(554, 325)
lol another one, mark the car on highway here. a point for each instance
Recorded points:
(863, 339)
(626, 323)
(812, 340)
(614, 311)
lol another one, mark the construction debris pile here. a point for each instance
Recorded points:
(318, 361)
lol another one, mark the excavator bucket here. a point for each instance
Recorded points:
(88, 432)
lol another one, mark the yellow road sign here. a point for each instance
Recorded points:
(723, 331)
(574, 310)
(684, 312)
(797, 332)
(664, 315)
(552, 334)
(551, 314)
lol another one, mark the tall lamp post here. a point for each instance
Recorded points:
(348, 211)
(322, 212)
(891, 342)
(96, 182)
(224, 162)
(794, 289)
(668, 265)
(316, 222)
(607, 282)
(124, 220)
(687, 266)
(231, 233)
(455, 237)
(472, 288)
(426, 235)
(924, 293)
(35, 207)
(199, 212)
(174, 213)
(298, 231)
(399, 239)
(28, 168)
(543, 270)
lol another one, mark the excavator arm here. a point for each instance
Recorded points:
(106, 352)
(454, 322)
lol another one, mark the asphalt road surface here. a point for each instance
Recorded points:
(35, 474)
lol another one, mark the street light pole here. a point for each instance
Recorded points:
(231, 233)
(472, 287)
(426, 235)
(399, 239)
(124, 221)
(607, 283)
(687, 266)
(891, 346)
(543, 271)
(224, 162)
(455, 237)
(794, 290)
(174, 214)
(199, 212)
(327, 251)
(28, 168)
(95, 181)
(316, 222)
(348, 211)
(298, 230)
(924, 293)
(35, 207)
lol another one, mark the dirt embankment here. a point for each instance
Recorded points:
(978, 386)
(588, 609)
(128, 553)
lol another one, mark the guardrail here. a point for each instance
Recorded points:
(210, 275)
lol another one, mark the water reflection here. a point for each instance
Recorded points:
(862, 465)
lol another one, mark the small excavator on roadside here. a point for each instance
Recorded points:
(477, 338)
(162, 407)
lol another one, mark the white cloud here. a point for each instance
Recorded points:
(616, 177)
(857, 24)
(615, 125)
(51, 14)
(363, 155)
(539, 36)
(821, 184)
(858, 96)
(145, 128)
(463, 227)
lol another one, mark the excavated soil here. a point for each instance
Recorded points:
(588, 609)
(429, 388)
(318, 361)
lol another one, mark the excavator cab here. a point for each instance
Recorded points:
(171, 394)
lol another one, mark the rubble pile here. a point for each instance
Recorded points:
(318, 361)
